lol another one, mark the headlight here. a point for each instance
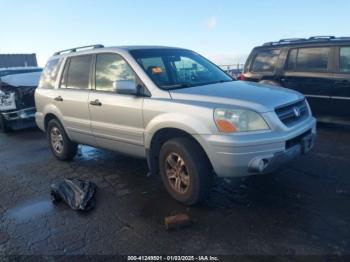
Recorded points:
(238, 120)
(7, 100)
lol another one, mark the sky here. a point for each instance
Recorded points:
(223, 30)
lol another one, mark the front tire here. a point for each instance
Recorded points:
(185, 170)
(61, 146)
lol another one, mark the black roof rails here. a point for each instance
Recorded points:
(285, 41)
(77, 48)
(303, 40)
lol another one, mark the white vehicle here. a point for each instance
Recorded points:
(17, 87)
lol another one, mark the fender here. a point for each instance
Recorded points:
(183, 122)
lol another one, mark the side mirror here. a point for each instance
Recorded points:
(126, 87)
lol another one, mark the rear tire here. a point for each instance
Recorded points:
(61, 146)
(3, 125)
(185, 170)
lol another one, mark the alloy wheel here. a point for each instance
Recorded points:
(177, 173)
(56, 140)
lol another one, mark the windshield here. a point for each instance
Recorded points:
(177, 68)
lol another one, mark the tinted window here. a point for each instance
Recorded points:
(309, 59)
(178, 68)
(79, 72)
(345, 59)
(265, 61)
(109, 69)
(49, 75)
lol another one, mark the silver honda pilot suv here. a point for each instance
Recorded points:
(175, 108)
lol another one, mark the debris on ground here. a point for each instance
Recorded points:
(177, 221)
(77, 193)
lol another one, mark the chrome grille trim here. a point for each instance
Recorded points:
(287, 114)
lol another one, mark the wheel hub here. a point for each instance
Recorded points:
(56, 140)
(177, 173)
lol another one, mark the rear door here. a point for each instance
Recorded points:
(341, 92)
(309, 70)
(72, 98)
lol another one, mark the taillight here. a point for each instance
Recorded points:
(242, 77)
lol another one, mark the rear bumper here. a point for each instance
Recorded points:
(20, 118)
(258, 154)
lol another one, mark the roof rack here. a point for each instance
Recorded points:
(303, 40)
(321, 37)
(71, 50)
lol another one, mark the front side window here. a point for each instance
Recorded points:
(178, 68)
(78, 74)
(151, 65)
(345, 59)
(265, 61)
(49, 74)
(111, 68)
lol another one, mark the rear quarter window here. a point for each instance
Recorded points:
(49, 74)
(265, 61)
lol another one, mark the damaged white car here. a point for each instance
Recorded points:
(17, 106)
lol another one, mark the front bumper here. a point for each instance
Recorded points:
(244, 155)
(22, 118)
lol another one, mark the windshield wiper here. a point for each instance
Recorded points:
(185, 85)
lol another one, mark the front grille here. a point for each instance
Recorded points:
(293, 113)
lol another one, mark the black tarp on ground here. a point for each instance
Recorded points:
(77, 193)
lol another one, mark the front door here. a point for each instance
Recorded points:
(116, 119)
(308, 70)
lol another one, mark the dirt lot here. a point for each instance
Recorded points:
(302, 209)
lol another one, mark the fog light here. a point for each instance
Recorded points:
(261, 165)
(258, 165)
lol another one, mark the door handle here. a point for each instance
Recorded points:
(59, 98)
(96, 102)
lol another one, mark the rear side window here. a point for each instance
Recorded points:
(49, 74)
(345, 59)
(308, 59)
(78, 74)
(111, 68)
(265, 61)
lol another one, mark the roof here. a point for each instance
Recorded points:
(17, 60)
(100, 48)
(26, 79)
(314, 40)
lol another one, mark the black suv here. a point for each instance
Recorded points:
(318, 67)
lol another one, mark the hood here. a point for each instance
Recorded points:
(21, 80)
(258, 97)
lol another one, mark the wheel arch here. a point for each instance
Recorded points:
(159, 138)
